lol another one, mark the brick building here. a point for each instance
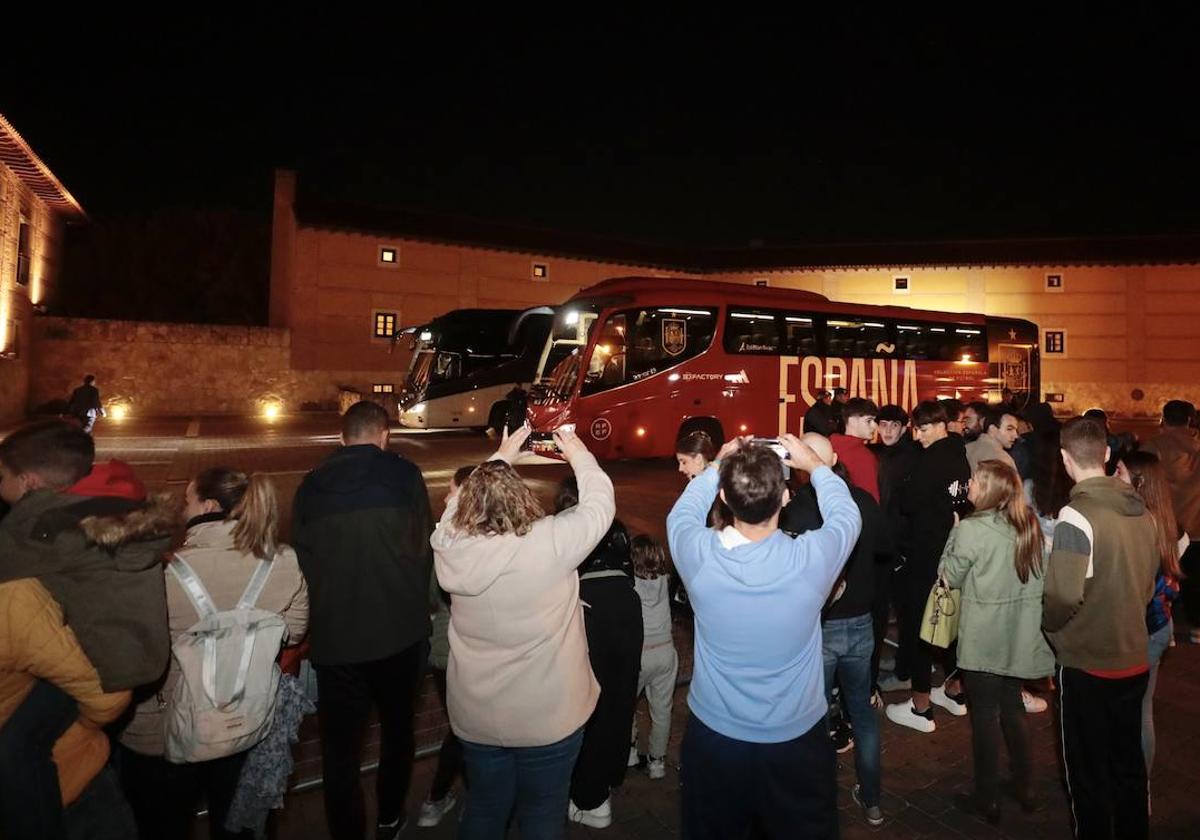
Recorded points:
(1118, 316)
(34, 206)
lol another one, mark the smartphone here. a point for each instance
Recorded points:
(778, 448)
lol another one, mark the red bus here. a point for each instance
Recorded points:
(635, 362)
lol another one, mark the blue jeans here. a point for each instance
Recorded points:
(1160, 639)
(533, 781)
(847, 645)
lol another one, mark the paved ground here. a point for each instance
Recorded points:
(921, 772)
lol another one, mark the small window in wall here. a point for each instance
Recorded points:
(389, 256)
(24, 255)
(383, 388)
(385, 324)
(1054, 342)
(761, 282)
(900, 285)
(1054, 282)
(540, 271)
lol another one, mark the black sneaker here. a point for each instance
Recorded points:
(842, 736)
(390, 831)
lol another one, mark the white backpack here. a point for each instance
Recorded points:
(225, 698)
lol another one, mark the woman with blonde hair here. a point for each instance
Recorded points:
(519, 684)
(1145, 474)
(232, 524)
(995, 556)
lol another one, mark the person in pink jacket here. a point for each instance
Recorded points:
(519, 684)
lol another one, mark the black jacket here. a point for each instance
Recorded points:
(361, 526)
(874, 546)
(83, 399)
(936, 489)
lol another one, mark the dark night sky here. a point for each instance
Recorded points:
(696, 129)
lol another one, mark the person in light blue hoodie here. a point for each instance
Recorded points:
(756, 746)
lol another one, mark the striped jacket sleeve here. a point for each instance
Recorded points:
(1068, 570)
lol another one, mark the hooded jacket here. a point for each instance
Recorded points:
(1178, 448)
(36, 644)
(759, 674)
(1000, 627)
(1100, 577)
(100, 557)
(224, 571)
(860, 462)
(519, 674)
(361, 528)
(986, 448)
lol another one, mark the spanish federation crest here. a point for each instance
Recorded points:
(674, 335)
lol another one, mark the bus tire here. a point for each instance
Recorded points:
(709, 425)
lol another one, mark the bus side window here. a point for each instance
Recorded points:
(799, 335)
(849, 337)
(639, 343)
(752, 331)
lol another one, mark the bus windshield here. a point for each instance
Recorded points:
(558, 371)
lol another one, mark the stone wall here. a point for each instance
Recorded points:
(155, 369)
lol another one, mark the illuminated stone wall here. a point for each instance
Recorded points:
(16, 300)
(153, 369)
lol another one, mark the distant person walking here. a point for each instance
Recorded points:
(84, 403)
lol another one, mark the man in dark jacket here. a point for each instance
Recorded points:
(846, 624)
(897, 453)
(361, 529)
(84, 404)
(935, 491)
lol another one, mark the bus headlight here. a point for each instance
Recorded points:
(419, 408)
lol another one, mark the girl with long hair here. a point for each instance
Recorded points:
(1144, 473)
(232, 524)
(694, 452)
(995, 556)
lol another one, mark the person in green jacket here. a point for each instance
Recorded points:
(995, 557)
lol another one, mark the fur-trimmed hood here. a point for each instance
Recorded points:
(158, 518)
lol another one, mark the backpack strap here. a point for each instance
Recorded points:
(258, 581)
(192, 587)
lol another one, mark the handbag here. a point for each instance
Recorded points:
(939, 626)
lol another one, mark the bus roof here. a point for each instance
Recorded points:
(708, 291)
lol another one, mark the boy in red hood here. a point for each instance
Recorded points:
(88, 535)
(858, 422)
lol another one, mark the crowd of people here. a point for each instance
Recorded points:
(149, 655)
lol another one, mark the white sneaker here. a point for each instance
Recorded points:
(906, 714)
(598, 817)
(656, 767)
(953, 705)
(1033, 704)
(432, 812)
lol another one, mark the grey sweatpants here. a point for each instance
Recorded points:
(660, 664)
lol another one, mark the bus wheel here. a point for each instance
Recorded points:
(709, 425)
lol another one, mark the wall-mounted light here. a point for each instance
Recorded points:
(118, 412)
(271, 410)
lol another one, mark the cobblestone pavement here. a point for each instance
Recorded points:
(921, 772)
